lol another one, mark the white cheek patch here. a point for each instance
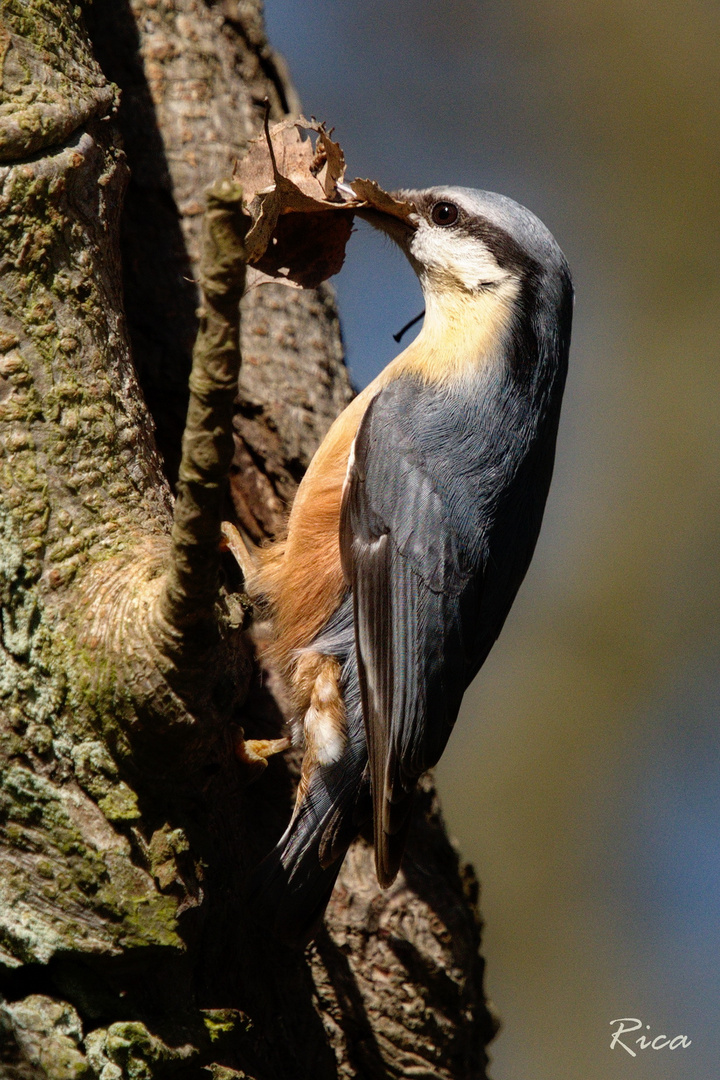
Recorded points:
(462, 259)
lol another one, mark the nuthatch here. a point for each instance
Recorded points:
(412, 531)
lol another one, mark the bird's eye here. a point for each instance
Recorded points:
(444, 213)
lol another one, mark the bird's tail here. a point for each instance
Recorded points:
(291, 887)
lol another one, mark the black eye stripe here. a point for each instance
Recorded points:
(444, 213)
(508, 252)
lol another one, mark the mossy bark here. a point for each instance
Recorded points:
(127, 821)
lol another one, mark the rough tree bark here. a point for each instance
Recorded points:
(127, 821)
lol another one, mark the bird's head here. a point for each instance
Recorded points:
(482, 260)
(459, 238)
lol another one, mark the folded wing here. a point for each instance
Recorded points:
(411, 594)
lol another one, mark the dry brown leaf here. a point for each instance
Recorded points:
(370, 194)
(329, 164)
(300, 219)
(307, 248)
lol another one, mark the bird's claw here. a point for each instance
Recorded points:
(232, 541)
(255, 752)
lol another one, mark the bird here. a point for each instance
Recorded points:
(411, 533)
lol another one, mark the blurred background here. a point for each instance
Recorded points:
(583, 779)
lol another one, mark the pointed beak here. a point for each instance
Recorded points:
(401, 230)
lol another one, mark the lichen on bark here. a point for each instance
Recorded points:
(50, 83)
(79, 478)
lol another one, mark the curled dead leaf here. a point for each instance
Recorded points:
(307, 248)
(370, 194)
(300, 209)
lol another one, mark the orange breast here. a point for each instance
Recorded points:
(301, 576)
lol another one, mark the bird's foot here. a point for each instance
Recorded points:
(233, 542)
(254, 752)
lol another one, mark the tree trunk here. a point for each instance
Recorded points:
(128, 823)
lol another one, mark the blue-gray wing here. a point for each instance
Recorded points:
(439, 519)
(408, 580)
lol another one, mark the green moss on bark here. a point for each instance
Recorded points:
(50, 83)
